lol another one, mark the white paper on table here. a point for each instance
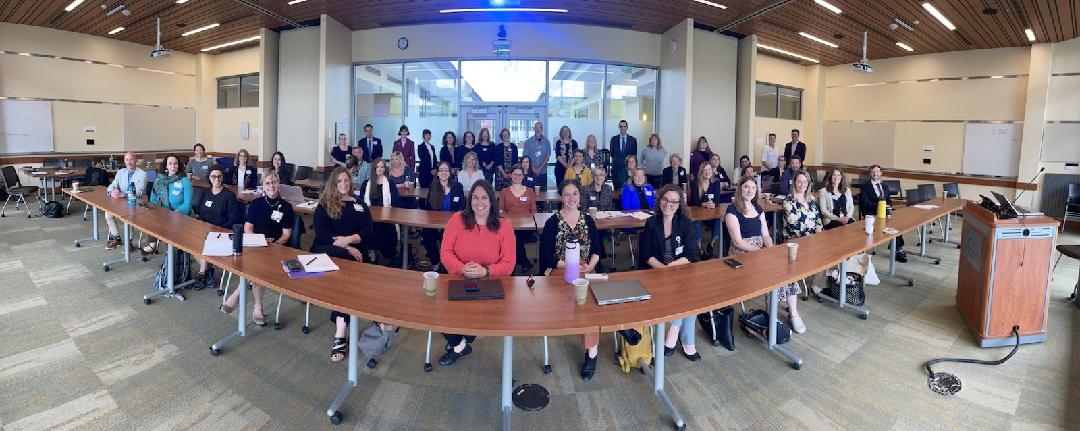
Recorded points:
(217, 247)
(210, 236)
(250, 192)
(309, 204)
(640, 215)
(38, 173)
(254, 240)
(925, 207)
(317, 262)
(611, 214)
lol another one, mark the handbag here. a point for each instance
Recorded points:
(855, 294)
(756, 323)
(376, 340)
(718, 325)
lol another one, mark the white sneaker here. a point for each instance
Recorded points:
(797, 325)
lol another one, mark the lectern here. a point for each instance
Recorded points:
(1004, 275)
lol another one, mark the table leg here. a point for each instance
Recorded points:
(404, 247)
(613, 233)
(170, 283)
(892, 264)
(127, 250)
(354, 340)
(658, 375)
(842, 301)
(923, 239)
(94, 228)
(774, 300)
(507, 379)
(241, 319)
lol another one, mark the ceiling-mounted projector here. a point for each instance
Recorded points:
(863, 66)
(159, 51)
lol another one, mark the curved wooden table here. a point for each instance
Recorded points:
(395, 296)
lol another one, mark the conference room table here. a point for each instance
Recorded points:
(395, 296)
(49, 177)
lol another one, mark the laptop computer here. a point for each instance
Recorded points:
(291, 194)
(618, 292)
(475, 289)
(1009, 209)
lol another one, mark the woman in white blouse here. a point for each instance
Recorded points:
(835, 201)
(470, 172)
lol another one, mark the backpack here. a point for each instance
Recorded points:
(181, 271)
(376, 340)
(52, 209)
(756, 323)
(639, 355)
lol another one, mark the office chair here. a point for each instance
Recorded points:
(301, 173)
(1072, 204)
(15, 189)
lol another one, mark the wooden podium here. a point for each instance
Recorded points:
(1004, 276)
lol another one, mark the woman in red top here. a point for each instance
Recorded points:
(519, 200)
(476, 243)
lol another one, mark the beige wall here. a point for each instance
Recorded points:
(298, 101)
(225, 136)
(713, 103)
(676, 91)
(335, 71)
(775, 71)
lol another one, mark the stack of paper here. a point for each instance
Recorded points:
(640, 215)
(925, 207)
(308, 204)
(217, 244)
(317, 262)
(254, 240)
(611, 214)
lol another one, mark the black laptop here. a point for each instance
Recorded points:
(475, 289)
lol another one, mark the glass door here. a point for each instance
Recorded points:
(518, 119)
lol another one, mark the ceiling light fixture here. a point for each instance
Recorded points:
(235, 42)
(905, 46)
(828, 6)
(818, 39)
(203, 28)
(504, 9)
(73, 5)
(713, 4)
(1030, 34)
(937, 14)
(116, 30)
(296, 2)
(181, 1)
(774, 49)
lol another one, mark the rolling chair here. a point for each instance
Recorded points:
(1072, 205)
(301, 173)
(15, 189)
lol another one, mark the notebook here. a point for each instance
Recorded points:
(617, 292)
(317, 262)
(475, 289)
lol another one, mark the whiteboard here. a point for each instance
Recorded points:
(25, 126)
(992, 149)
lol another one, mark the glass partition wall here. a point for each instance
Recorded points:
(467, 95)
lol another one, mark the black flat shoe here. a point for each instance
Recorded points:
(451, 356)
(693, 358)
(668, 351)
(901, 257)
(588, 368)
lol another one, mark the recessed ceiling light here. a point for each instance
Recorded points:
(181, 1)
(713, 4)
(235, 42)
(203, 28)
(904, 45)
(74, 4)
(937, 14)
(504, 9)
(24, 54)
(828, 6)
(1030, 34)
(296, 1)
(817, 39)
(116, 30)
(785, 52)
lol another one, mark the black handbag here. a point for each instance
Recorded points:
(52, 209)
(718, 325)
(756, 323)
(855, 293)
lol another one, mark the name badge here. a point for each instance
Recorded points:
(178, 185)
(176, 192)
(209, 204)
(678, 250)
(592, 198)
(276, 216)
(648, 192)
(524, 199)
(710, 195)
(455, 198)
(539, 153)
(359, 208)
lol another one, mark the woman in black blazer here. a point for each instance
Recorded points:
(448, 152)
(379, 191)
(244, 165)
(280, 168)
(429, 159)
(444, 194)
(668, 240)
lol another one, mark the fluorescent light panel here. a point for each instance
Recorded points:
(116, 30)
(1030, 34)
(828, 6)
(937, 14)
(786, 52)
(181, 1)
(235, 42)
(904, 45)
(73, 5)
(296, 2)
(203, 28)
(713, 4)
(817, 39)
(504, 9)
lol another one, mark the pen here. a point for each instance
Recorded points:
(312, 260)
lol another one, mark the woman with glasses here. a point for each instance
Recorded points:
(637, 194)
(668, 240)
(218, 207)
(244, 175)
(570, 224)
(477, 243)
(518, 200)
(444, 194)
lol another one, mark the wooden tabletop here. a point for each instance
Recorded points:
(395, 295)
(309, 183)
(55, 172)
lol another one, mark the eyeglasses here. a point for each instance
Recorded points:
(215, 177)
(444, 171)
(666, 201)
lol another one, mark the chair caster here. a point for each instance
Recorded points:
(797, 365)
(680, 427)
(144, 259)
(305, 330)
(214, 352)
(77, 245)
(547, 369)
(220, 292)
(937, 262)
(427, 367)
(335, 418)
(146, 301)
(3, 215)
(105, 268)
(84, 219)
(911, 283)
(864, 316)
(371, 363)
(277, 326)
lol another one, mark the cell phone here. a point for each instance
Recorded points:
(733, 263)
(293, 265)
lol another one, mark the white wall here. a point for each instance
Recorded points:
(298, 100)
(713, 104)
(268, 91)
(227, 122)
(527, 40)
(676, 93)
(335, 71)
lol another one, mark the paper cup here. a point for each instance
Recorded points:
(431, 283)
(581, 290)
(792, 251)
(592, 212)
(869, 228)
(75, 186)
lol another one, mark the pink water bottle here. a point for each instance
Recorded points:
(572, 258)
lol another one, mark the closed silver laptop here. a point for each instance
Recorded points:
(291, 194)
(617, 292)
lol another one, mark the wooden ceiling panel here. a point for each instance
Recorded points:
(1051, 20)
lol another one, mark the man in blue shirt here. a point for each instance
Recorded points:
(786, 177)
(119, 188)
(538, 148)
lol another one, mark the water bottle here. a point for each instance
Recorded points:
(112, 163)
(572, 258)
(881, 205)
(131, 194)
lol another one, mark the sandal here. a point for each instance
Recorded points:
(337, 353)
(226, 309)
(148, 250)
(259, 320)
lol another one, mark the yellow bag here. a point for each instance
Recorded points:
(638, 355)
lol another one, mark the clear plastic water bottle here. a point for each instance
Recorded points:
(131, 194)
(572, 258)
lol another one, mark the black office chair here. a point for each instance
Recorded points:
(892, 187)
(1072, 205)
(93, 177)
(302, 173)
(928, 191)
(15, 189)
(914, 196)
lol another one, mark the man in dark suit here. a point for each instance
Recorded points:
(870, 192)
(621, 145)
(372, 145)
(795, 147)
